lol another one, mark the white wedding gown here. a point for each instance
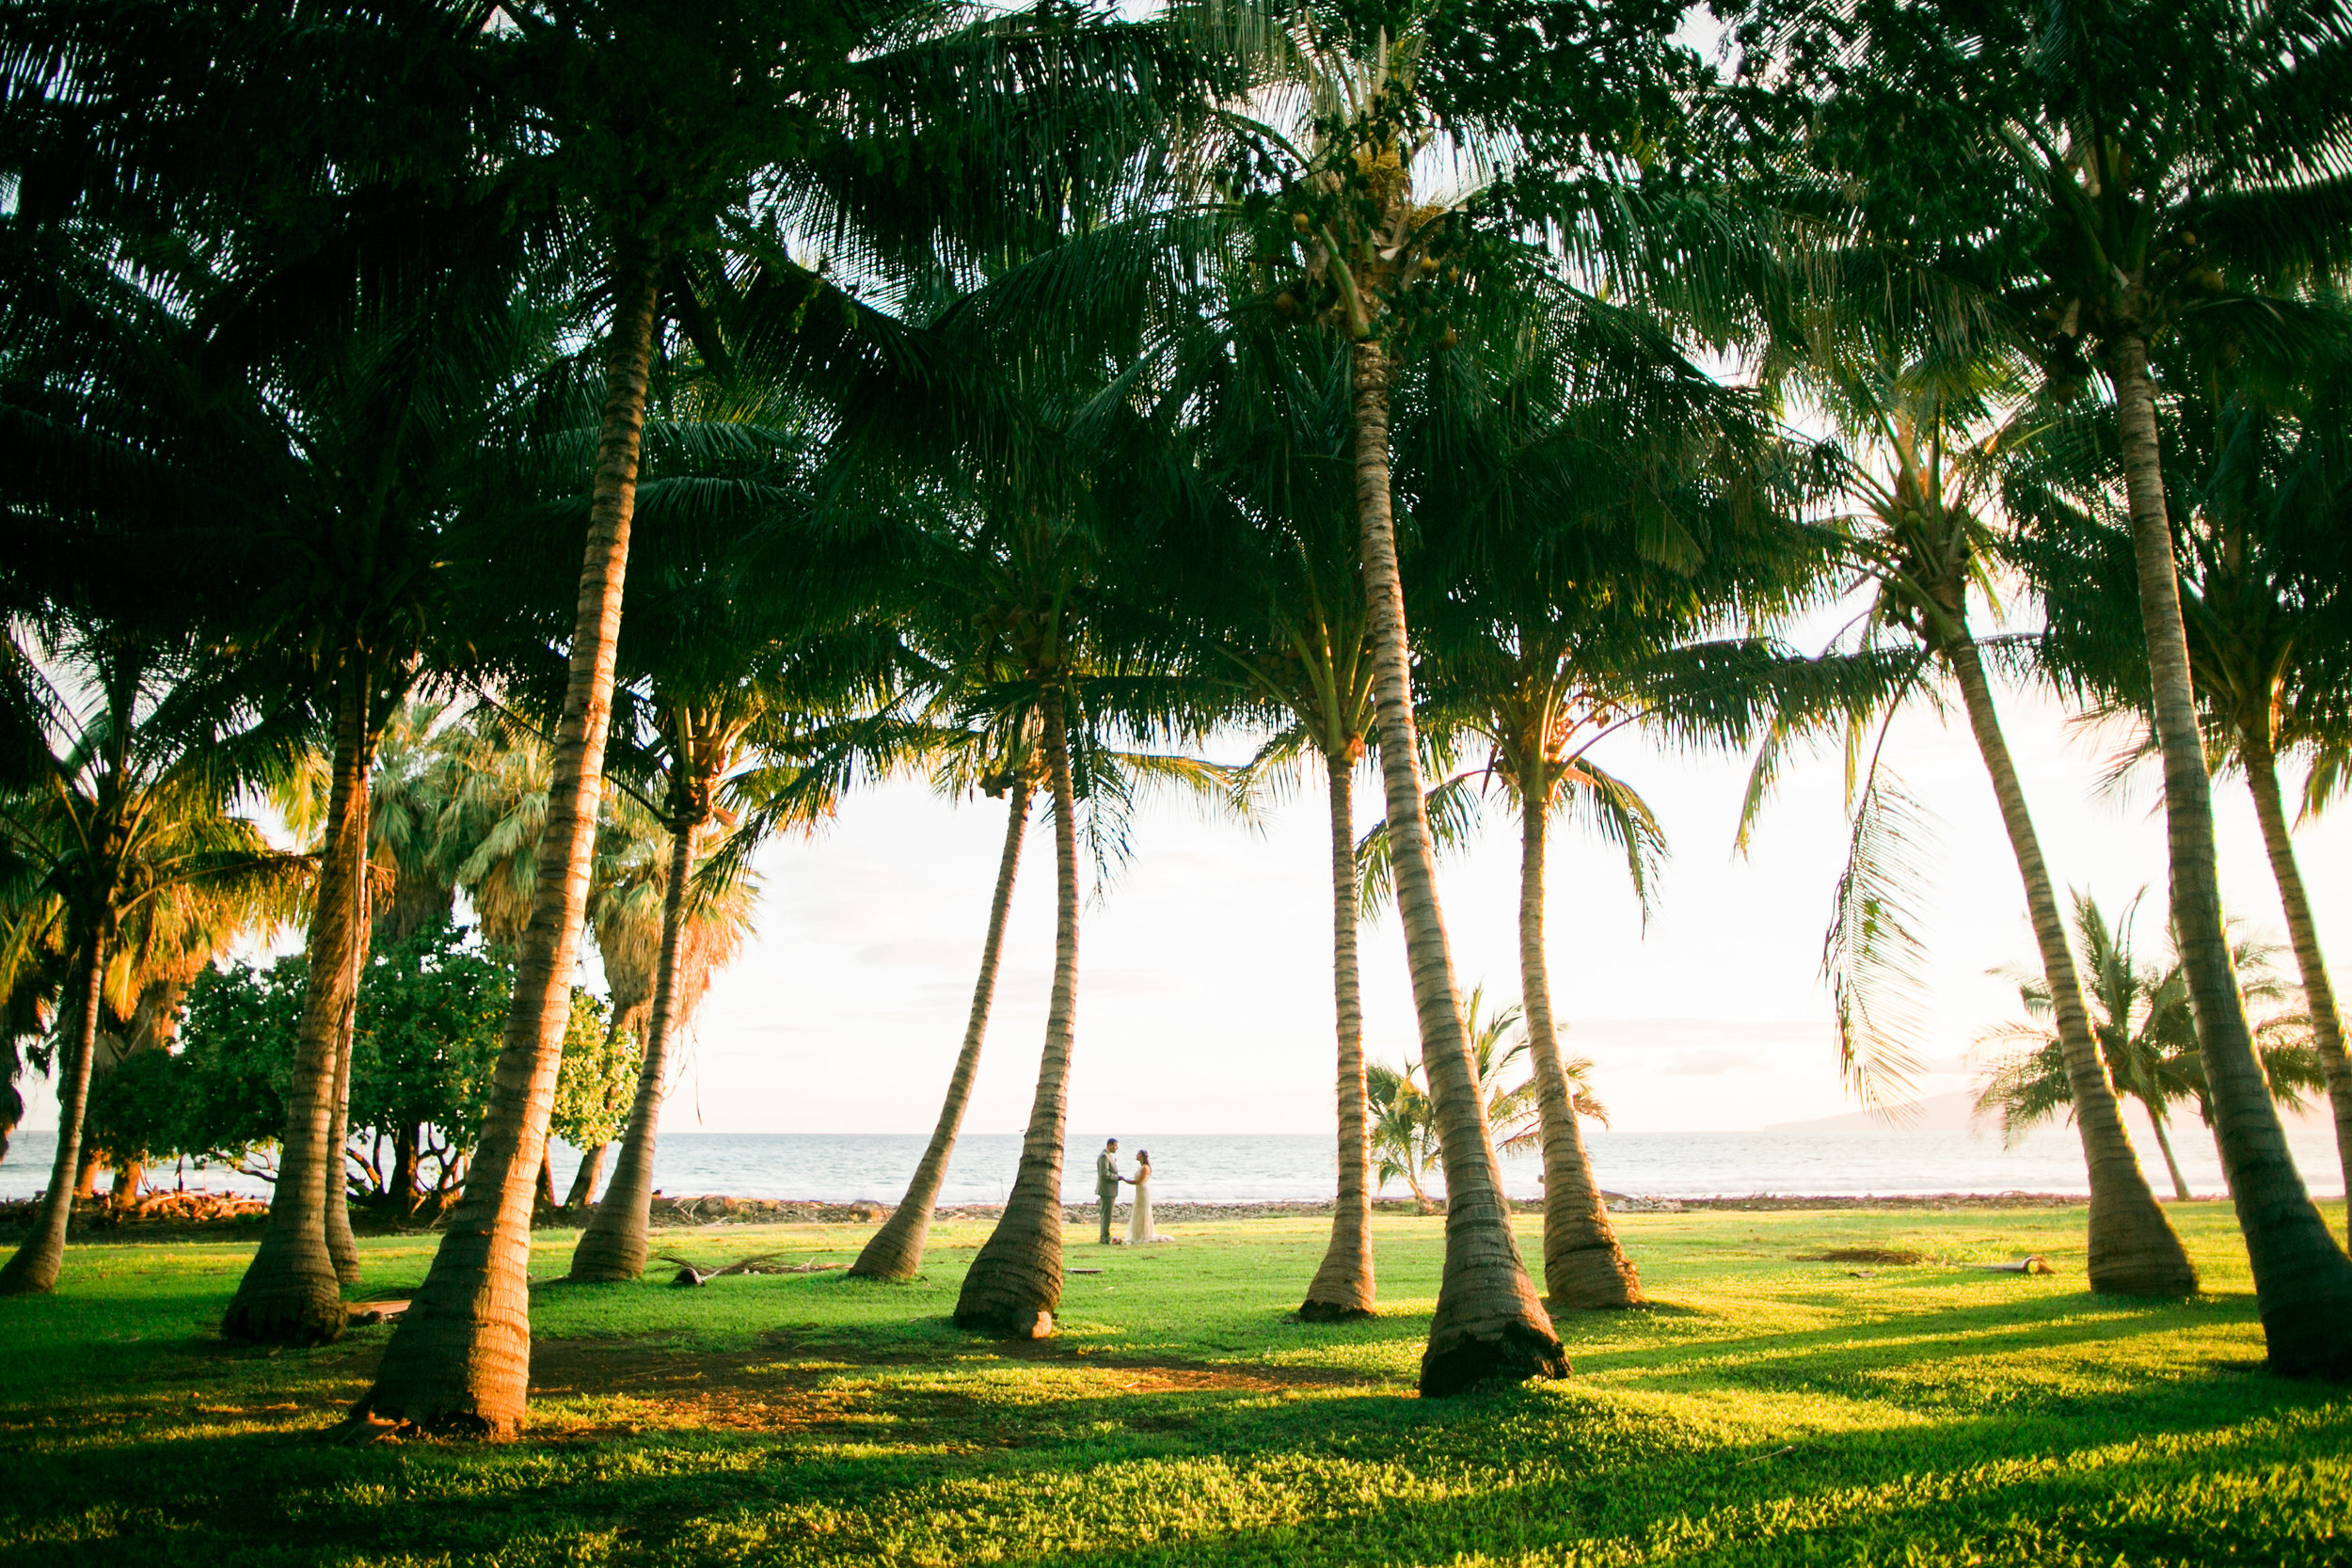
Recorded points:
(1139, 1220)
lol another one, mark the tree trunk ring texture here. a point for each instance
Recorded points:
(1342, 1289)
(896, 1250)
(1489, 1325)
(1015, 1284)
(2302, 1279)
(459, 1360)
(1584, 1268)
(291, 1292)
(2134, 1249)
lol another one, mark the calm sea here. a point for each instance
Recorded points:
(1237, 1168)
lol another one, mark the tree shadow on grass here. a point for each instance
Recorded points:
(1604, 1473)
(1962, 1490)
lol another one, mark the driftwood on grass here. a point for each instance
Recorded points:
(689, 1276)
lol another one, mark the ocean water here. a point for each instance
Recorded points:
(1240, 1167)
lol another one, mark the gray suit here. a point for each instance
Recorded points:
(1106, 1189)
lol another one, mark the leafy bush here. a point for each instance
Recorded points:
(431, 1013)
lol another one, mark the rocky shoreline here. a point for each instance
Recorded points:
(224, 1216)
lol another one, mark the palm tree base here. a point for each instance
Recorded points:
(1593, 1279)
(2134, 1251)
(2308, 1338)
(605, 1258)
(292, 1315)
(1460, 1364)
(26, 1281)
(601, 1277)
(1313, 1311)
(453, 1375)
(892, 1252)
(1020, 1324)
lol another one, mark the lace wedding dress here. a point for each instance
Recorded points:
(1139, 1220)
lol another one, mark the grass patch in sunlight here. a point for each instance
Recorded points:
(1774, 1408)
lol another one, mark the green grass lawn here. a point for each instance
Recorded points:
(1768, 1411)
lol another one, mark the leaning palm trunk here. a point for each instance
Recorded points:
(1343, 1288)
(1488, 1323)
(2319, 992)
(2171, 1162)
(337, 1212)
(582, 1191)
(1015, 1282)
(460, 1358)
(2302, 1279)
(32, 1270)
(897, 1249)
(612, 1247)
(1583, 1266)
(2134, 1248)
(291, 1292)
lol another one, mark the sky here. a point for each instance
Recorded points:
(1205, 1001)
(1204, 967)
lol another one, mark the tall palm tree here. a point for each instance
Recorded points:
(1369, 262)
(2253, 457)
(896, 1249)
(661, 151)
(750, 737)
(2096, 179)
(1923, 461)
(1256, 562)
(116, 800)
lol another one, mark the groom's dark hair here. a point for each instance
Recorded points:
(1110, 1143)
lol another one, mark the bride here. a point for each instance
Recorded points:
(1139, 1220)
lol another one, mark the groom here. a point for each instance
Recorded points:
(1106, 1185)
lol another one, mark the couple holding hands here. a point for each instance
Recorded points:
(1107, 1181)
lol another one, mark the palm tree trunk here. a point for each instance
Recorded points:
(2171, 1162)
(340, 1245)
(32, 1270)
(2319, 992)
(402, 1185)
(583, 1188)
(2302, 1279)
(291, 1292)
(459, 1359)
(1583, 1266)
(612, 1246)
(1343, 1288)
(1488, 1323)
(2134, 1248)
(1015, 1281)
(897, 1249)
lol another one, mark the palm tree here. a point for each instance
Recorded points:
(162, 946)
(661, 151)
(2146, 1035)
(114, 803)
(1923, 464)
(1371, 263)
(896, 1249)
(2252, 457)
(1028, 571)
(751, 737)
(2097, 178)
(1257, 565)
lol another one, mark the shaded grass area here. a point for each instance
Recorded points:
(1771, 1410)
